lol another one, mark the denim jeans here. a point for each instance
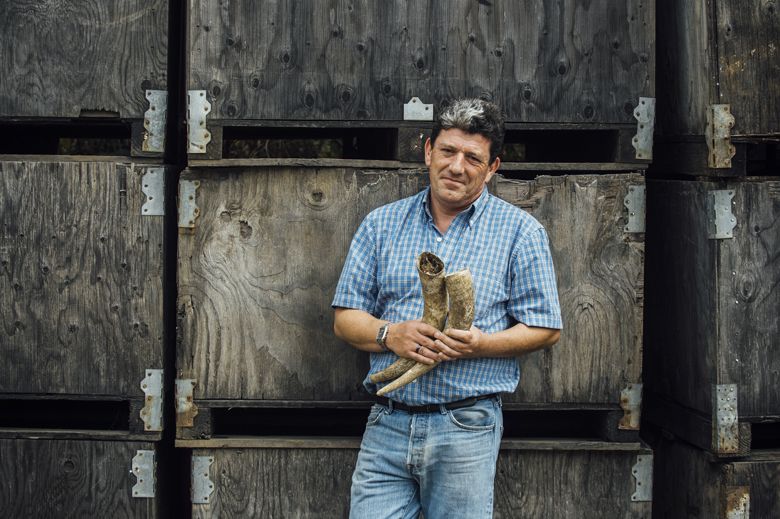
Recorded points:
(441, 464)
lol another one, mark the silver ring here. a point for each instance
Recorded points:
(417, 351)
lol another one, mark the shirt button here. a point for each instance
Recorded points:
(438, 239)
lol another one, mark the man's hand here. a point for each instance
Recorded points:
(455, 344)
(413, 340)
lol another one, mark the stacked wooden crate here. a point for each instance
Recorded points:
(81, 257)
(269, 401)
(712, 358)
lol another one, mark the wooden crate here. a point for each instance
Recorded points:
(572, 62)
(66, 59)
(69, 478)
(80, 279)
(713, 305)
(306, 477)
(260, 262)
(692, 483)
(718, 52)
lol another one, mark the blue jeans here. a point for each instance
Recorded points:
(441, 463)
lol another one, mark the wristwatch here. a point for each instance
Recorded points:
(381, 336)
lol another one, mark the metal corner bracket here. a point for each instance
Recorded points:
(143, 466)
(718, 134)
(198, 107)
(726, 426)
(721, 220)
(644, 113)
(153, 186)
(154, 121)
(186, 410)
(202, 486)
(416, 110)
(643, 476)
(631, 403)
(737, 502)
(188, 208)
(635, 203)
(151, 414)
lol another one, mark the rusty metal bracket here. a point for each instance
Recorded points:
(738, 503)
(416, 110)
(143, 470)
(721, 220)
(726, 418)
(198, 107)
(635, 203)
(202, 486)
(643, 476)
(154, 121)
(151, 414)
(153, 186)
(644, 113)
(631, 403)
(188, 209)
(718, 134)
(186, 410)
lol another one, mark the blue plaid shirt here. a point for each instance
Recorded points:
(508, 255)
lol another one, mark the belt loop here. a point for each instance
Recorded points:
(443, 408)
(389, 406)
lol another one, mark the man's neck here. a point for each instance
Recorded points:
(443, 215)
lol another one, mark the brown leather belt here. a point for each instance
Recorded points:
(434, 408)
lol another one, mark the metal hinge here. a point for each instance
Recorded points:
(198, 107)
(643, 476)
(151, 414)
(416, 110)
(143, 470)
(185, 406)
(202, 486)
(635, 203)
(153, 186)
(721, 221)
(738, 503)
(631, 403)
(188, 209)
(154, 121)
(718, 134)
(726, 428)
(644, 113)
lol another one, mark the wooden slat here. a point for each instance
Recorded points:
(65, 478)
(575, 61)
(599, 269)
(61, 58)
(80, 279)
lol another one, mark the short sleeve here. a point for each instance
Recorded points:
(534, 293)
(357, 286)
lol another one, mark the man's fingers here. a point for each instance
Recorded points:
(444, 349)
(461, 335)
(421, 355)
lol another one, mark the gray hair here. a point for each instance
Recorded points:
(472, 115)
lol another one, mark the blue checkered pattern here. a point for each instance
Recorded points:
(508, 255)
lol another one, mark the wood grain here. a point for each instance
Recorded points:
(68, 478)
(575, 61)
(80, 279)
(59, 58)
(278, 482)
(257, 276)
(599, 269)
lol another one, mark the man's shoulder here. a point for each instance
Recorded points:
(393, 210)
(511, 217)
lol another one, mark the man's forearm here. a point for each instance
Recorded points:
(358, 328)
(518, 340)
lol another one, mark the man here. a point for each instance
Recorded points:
(432, 446)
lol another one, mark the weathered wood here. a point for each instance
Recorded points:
(574, 61)
(722, 51)
(599, 268)
(690, 483)
(64, 59)
(557, 479)
(80, 279)
(257, 275)
(68, 478)
(713, 303)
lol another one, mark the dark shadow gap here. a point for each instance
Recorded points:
(65, 414)
(75, 137)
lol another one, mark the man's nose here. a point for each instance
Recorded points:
(458, 164)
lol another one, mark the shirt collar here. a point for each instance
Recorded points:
(473, 211)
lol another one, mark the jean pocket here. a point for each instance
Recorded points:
(474, 418)
(377, 411)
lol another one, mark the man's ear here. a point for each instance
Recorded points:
(428, 149)
(492, 169)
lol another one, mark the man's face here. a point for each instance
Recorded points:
(459, 167)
